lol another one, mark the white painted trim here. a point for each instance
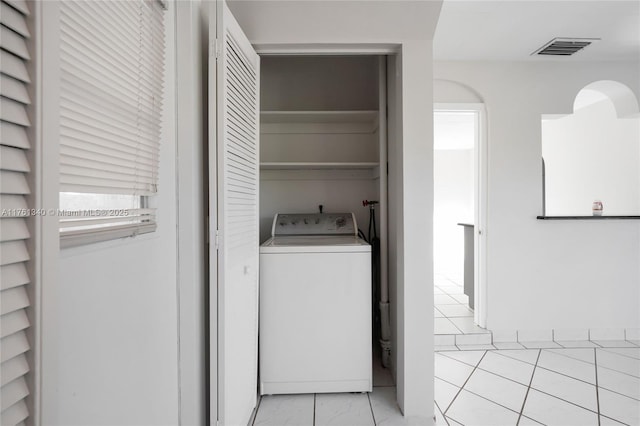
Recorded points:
(190, 212)
(481, 211)
(326, 49)
(37, 269)
(470, 106)
(211, 328)
(542, 335)
(49, 247)
(383, 184)
(480, 204)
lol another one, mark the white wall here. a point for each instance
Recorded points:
(546, 274)
(318, 83)
(592, 155)
(409, 26)
(109, 313)
(453, 203)
(286, 192)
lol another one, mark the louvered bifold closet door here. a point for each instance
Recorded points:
(238, 71)
(14, 230)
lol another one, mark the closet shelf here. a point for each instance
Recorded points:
(282, 122)
(289, 165)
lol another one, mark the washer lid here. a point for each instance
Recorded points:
(315, 244)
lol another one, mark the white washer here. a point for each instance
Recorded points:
(315, 306)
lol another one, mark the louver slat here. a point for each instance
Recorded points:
(13, 300)
(12, 229)
(13, 135)
(14, 414)
(13, 368)
(14, 345)
(14, 322)
(13, 393)
(13, 275)
(13, 159)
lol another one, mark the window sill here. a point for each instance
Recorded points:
(92, 236)
(586, 217)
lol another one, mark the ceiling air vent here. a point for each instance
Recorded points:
(564, 46)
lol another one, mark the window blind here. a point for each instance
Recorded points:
(112, 72)
(14, 228)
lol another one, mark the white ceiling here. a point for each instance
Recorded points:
(510, 30)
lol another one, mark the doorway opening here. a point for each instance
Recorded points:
(458, 220)
(322, 151)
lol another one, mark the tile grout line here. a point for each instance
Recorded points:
(573, 358)
(486, 398)
(533, 372)
(465, 382)
(451, 418)
(516, 359)
(604, 368)
(373, 415)
(619, 354)
(462, 362)
(564, 400)
(615, 420)
(565, 375)
(595, 367)
(439, 410)
(619, 393)
(454, 324)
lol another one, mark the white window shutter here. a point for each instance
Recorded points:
(14, 229)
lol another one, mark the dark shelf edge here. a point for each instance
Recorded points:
(585, 217)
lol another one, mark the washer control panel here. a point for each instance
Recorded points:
(314, 224)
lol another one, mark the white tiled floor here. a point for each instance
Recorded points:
(451, 307)
(579, 386)
(586, 386)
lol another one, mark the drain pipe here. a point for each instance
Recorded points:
(385, 333)
(385, 317)
(383, 304)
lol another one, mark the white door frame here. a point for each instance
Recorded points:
(357, 49)
(318, 49)
(479, 205)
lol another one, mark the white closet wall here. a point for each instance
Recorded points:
(319, 136)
